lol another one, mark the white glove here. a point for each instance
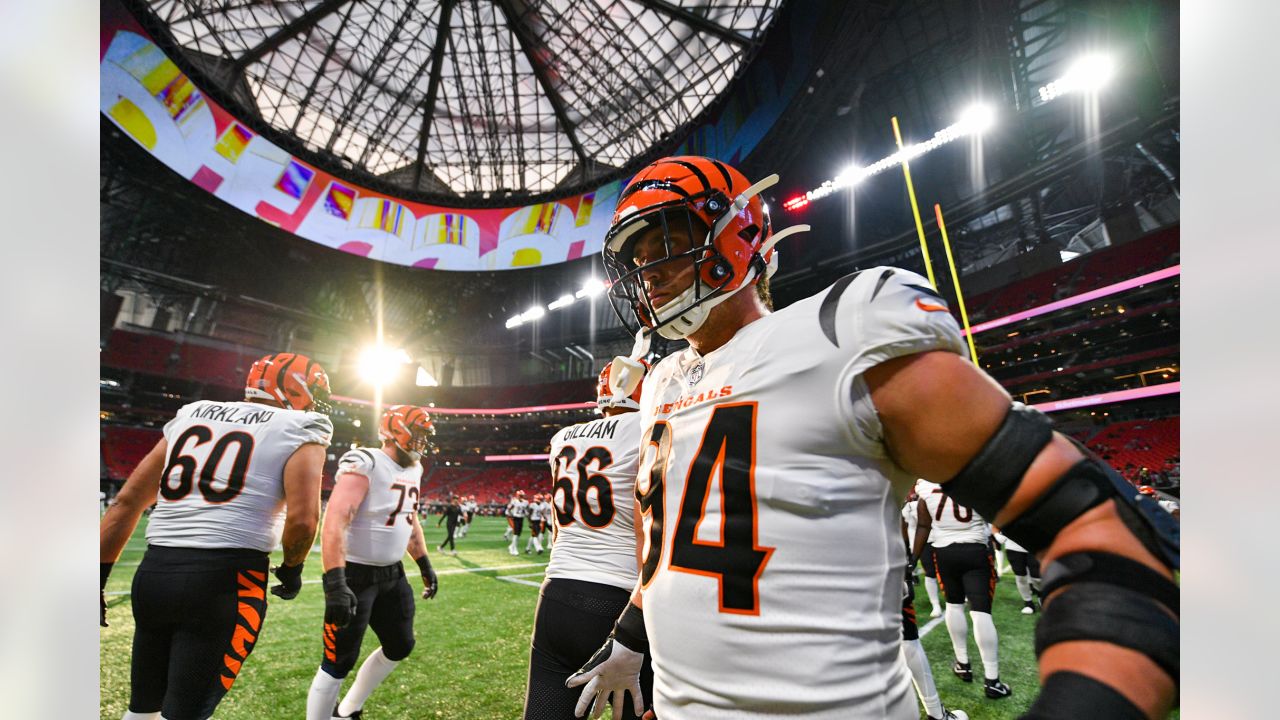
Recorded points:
(608, 675)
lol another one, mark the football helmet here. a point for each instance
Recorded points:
(408, 427)
(728, 227)
(289, 380)
(1146, 490)
(609, 396)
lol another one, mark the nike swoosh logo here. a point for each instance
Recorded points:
(927, 307)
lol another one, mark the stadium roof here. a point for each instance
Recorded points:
(460, 102)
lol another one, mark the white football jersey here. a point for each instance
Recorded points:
(1008, 543)
(593, 469)
(909, 515)
(379, 533)
(223, 483)
(772, 574)
(953, 523)
(518, 508)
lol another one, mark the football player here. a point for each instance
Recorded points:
(517, 511)
(967, 572)
(908, 527)
(593, 563)
(773, 449)
(537, 524)
(230, 481)
(371, 520)
(1026, 571)
(452, 514)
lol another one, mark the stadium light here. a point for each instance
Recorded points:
(592, 288)
(379, 363)
(534, 313)
(1089, 74)
(978, 118)
(561, 301)
(516, 321)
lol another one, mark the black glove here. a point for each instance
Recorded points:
(339, 601)
(428, 578)
(104, 571)
(290, 577)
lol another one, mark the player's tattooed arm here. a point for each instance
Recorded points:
(417, 541)
(302, 476)
(344, 502)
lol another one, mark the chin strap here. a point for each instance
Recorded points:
(629, 371)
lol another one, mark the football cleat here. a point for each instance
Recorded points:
(951, 715)
(996, 689)
(934, 613)
(963, 671)
(1029, 607)
(357, 715)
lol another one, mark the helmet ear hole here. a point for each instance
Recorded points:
(720, 270)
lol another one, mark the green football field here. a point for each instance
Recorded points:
(473, 642)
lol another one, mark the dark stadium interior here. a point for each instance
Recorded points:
(194, 290)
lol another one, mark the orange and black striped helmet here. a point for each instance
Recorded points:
(607, 398)
(289, 380)
(728, 226)
(409, 427)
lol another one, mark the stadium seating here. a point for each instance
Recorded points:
(1132, 445)
(1092, 271)
(124, 447)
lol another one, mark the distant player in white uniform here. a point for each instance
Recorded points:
(774, 451)
(536, 520)
(1026, 571)
(912, 649)
(926, 559)
(517, 511)
(967, 572)
(594, 563)
(229, 480)
(371, 520)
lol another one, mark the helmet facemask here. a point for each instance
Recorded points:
(683, 314)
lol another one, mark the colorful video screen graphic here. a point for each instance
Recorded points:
(146, 95)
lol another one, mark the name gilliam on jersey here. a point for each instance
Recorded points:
(226, 413)
(593, 429)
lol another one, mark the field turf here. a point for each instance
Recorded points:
(473, 642)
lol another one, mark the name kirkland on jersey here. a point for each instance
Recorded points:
(233, 414)
(242, 449)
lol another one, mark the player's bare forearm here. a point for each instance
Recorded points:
(297, 540)
(922, 536)
(139, 491)
(344, 502)
(938, 413)
(417, 542)
(302, 475)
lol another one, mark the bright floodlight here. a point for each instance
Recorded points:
(592, 288)
(533, 313)
(516, 321)
(379, 364)
(978, 118)
(561, 301)
(1091, 72)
